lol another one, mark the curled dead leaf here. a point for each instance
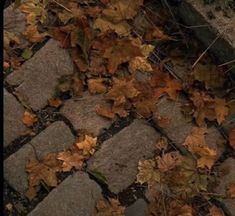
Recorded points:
(29, 118)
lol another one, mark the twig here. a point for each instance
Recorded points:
(204, 52)
(226, 63)
(62, 6)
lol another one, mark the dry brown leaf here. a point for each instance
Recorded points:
(196, 144)
(231, 190)
(71, 160)
(105, 111)
(96, 86)
(108, 208)
(162, 144)
(221, 109)
(215, 211)
(141, 64)
(232, 138)
(55, 102)
(29, 118)
(163, 121)
(122, 51)
(87, 145)
(147, 172)
(34, 35)
(169, 161)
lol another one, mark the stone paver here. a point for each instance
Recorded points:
(179, 127)
(13, 114)
(195, 13)
(56, 137)
(75, 196)
(136, 209)
(81, 112)
(226, 177)
(37, 78)
(118, 157)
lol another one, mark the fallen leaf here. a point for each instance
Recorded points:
(140, 63)
(168, 161)
(232, 138)
(55, 102)
(221, 109)
(71, 160)
(96, 86)
(27, 53)
(231, 190)
(105, 111)
(147, 172)
(123, 51)
(215, 211)
(34, 35)
(87, 145)
(108, 208)
(29, 118)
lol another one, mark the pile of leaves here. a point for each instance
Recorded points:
(117, 46)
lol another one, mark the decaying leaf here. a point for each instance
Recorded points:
(148, 172)
(197, 145)
(108, 208)
(105, 111)
(87, 145)
(29, 118)
(55, 102)
(215, 211)
(231, 190)
(96, 86)
(221, 109)
(140, 63)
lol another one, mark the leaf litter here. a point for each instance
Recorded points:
(109, 50)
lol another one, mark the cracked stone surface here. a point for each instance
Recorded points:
(81, 112)
(136, 209)
(13, 114)
(36, 79)
(118, 157)
(56, 137)
(75, 196)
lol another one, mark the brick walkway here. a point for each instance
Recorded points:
(117, 158)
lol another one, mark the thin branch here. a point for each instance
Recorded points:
(226, 63)
(62, 6)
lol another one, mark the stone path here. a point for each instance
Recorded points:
(117, 158)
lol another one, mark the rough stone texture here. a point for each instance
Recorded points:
(136, 209)
(179, 127)
(226, 177)
(118, 157)
(196, 13)
(81, 112)
(56, 137)
(75, 196)
(13, 114)
(37, 78)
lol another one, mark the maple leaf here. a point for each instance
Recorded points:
(148, 172)
(96, 86)
(221, 109)
(215, 211)
(122, 51)
(232, 138)
(71, 160)
(87, 145)
(108, 208)
(122, 90)
(172, 86)
(140, 63)
(231, 190)
(168, 161)
(29, 118)
(196, 144)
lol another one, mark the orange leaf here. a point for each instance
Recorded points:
(215, 211)
(105, 112)
(96, 86)
(29, 118)
(55, 102)
(221, 109)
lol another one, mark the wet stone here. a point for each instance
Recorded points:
(37, 78)
(81, 112)
(118, 157)
(75, 196)
(13, 115)
(56, 137)
(226, 176)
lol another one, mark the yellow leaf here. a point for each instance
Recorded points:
(87, 145)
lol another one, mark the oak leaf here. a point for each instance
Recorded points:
(87, 145)
(232, 138)
(29, 118)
